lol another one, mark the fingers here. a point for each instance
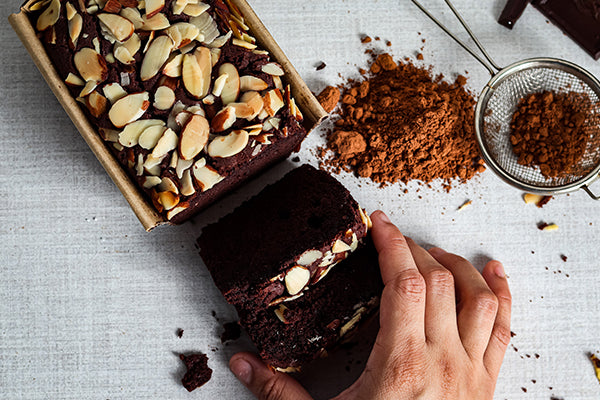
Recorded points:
(402, 311)
(440, 303)
(494, 275)
(478, 304)
(263, 382)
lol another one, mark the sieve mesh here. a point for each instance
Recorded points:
(498, 108)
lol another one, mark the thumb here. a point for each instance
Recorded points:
(264, 383)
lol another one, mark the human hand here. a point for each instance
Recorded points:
(444, 329)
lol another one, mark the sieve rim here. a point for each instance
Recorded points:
(484, 98)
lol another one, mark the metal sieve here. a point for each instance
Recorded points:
(498, 102)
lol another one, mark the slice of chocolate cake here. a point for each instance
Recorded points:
(284, 240)
(293, 333)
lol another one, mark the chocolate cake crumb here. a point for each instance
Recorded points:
(296, 159)
(232, 332)
(179, 332)
(321, 65)
(198, 371)
(563, 257)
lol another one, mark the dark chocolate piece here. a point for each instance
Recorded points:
(198, 371)
(512, 12)
(579, 19)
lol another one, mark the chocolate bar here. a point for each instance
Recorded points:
(512, 12)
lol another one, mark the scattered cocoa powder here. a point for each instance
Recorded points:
(329, 98)
(548, 131)
(366, 39)
(399, 123)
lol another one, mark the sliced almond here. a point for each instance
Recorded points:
(173, 66)
(131, 45)
(74, 80)
(164, 98)
(196, 72)
(151, 181)
(530, 198)
(134, 16)
(151, 135)
(89, 87)
(219, 84)
(119, 27)
(220, 41)
(296, 279)
(187, 185)
(153, 7)
(39, 5)
(112, 6)
(273, 101)
(273, 69)
(174, 161)
(129, 137)
(223, 120)
(249, 82)
(182, 166)
(255, 102)
(243, 43)
(340, 246)
(179, 209)
(242, 110)
(91, 65)
(96, 104)
(230, 145)
(277, 82)
(280, 313)
(194, 137)
(348, 326)
(109, 135)
(156, 23)
(231, 88)
(309, 257)
(194, 10)
(114, 92)
(128, 109)
(139, 166)
(167, 143)
(207, 26)
(295, 111)
(156, 57)
(365, 218)
(75, 27)
(179, 6)
(168, 200)
(49, 17)
(205, 176)
(167, 185)
(215, 55)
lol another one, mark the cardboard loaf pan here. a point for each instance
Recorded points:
(142, 207)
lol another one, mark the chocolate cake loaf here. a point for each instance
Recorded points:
(293, 333)
(179, 90)
(277, 245)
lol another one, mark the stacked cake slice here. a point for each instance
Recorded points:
(297, 264)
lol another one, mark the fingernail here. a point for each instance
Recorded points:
(499, 270)
(242, 369)
(436, 251)
(383, 217)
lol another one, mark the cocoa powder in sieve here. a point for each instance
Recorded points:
(400, 124)
(548, 131)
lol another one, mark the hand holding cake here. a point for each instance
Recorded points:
(444, 329)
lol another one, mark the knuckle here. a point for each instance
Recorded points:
(502, 334)
(440, 279)
(485, 301)
(273, 389)
(394, 245)
(409, 284)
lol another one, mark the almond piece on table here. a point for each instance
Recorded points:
(49, 17)
(230, 145)
(153, 7)
(231, 88)
(296, 279)
(91, 65)
(193, 137)
(128, 109)
(157, 55)
(119, 27)
(196, 72)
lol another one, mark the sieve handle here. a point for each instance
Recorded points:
(588, 191)
(492, 67)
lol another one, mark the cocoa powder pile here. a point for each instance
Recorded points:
(548, 131)
(402, 124)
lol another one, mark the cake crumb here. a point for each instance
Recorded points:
(320, 66)
(232, 332)
(198, 371)
(329, 98)
(420, 56)
(179, 333)
(366, 39)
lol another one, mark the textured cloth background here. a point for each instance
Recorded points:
(90, 303)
